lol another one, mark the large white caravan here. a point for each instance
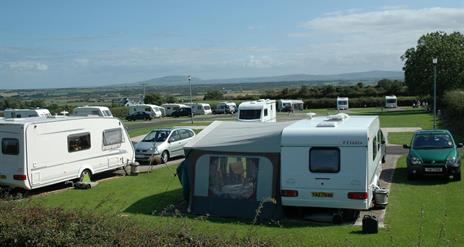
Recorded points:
(391, 101)
(331, 162)
(24, 113)
(101, 111)
(287, 104)
(201, 108)
(342, 103)
(263, 110)
(172, 107)
(37, 152)
(152, 110)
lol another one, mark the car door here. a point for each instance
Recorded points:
(175, 144)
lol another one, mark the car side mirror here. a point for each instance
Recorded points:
(383, 142)
(460, 145)
(406, 146)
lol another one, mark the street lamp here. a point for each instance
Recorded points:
(435, 61)
(189, 78)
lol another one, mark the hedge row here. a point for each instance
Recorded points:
(452, 111)
(356, 102)
(38, 226)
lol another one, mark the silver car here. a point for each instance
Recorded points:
(166, 143)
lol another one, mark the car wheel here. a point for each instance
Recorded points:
(164, 157)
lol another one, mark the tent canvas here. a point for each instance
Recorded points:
(232, 169)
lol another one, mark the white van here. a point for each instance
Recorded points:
(101, 111)
(391, 101)
(152, 110)
(37, 152)
(263, 110)
(24, 113)
(201, 108)
(225, 108)
(172, 107)
(331, 162)
(342, 103)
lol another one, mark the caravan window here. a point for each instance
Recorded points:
(78, 142)
(250, 114)
(374, 148)
(10, 146)
(324, 160)
(233, 177)
(112, 137)
(265, 112)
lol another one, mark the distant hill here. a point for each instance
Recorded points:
(369, 76)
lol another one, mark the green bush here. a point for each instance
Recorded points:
(452, 111)
(38, 226)
(120, 111)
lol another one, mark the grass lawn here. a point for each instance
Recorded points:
(421, 213)
(400, 138)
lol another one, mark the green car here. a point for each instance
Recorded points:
(433, 153)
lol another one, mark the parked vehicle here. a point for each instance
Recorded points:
(165, 143)
(391, 101)
(285, 105)
(153, 110)
(37, 152)
(263, 110)
(225, 108)
(101, 111)
(201, 108)
(331, 162)
(24, 113)
(171, 107)
(182, 112)
(342, 103)
(139, 116)
(432, 153)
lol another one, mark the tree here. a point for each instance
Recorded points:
(170, 99)
(418, 67)
(153, 98)
(214, 94)
(391, 87)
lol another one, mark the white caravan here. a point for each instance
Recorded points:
(201, 108)
(24, 113)
(342, 103)
(101, 111)
(225, 108)
(152, 110)
(263, 110)
(172, 107)
(287, 104)
(391, 101)
(37, 152)
(331, 162)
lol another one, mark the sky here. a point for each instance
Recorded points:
(81, 43)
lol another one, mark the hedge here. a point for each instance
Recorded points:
(356, 102)
(39, 226)
(452, 111)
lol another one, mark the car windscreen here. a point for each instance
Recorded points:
(250, 114)
(157, 136)
(432, 141)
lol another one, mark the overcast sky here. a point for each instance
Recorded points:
(91, 43)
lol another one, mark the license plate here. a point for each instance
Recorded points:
(433, 169)
(2, 176)
(322, 194)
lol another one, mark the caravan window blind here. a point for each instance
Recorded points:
(324, 159)
(112, 137)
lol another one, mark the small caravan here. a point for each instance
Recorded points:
(24, 113)
(153, 110)
(263, 110)
(391, 101)
(287, 104)
(201, 108)
(38, 152)
(101, 111)
(225, 108)
(331, 162)
(172, 107)
(342, 103)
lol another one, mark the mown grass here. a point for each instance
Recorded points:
(420, 213)
(400, 138)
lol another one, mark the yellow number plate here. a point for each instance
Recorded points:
(322, 194)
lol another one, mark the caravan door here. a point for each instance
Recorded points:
(12, 168)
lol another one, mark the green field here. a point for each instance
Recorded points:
(400, 138)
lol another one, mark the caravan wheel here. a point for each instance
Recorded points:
(86, 176)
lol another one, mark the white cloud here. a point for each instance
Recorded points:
(26, 66)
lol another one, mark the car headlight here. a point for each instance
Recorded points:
(451, 160)
(415, 161)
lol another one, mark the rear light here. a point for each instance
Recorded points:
(19, 177)
(358, 195)
(289, 193)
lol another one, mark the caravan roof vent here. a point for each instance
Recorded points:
(338, 117)
(327, 124)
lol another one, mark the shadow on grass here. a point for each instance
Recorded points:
(401, 177)
(157, 203)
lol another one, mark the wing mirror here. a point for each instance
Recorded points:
(460, 145)
(383, 142)
(406, 146)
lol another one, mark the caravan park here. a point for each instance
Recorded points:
(231, 124)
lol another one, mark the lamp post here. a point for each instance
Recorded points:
(189, 78)
(435, 61)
